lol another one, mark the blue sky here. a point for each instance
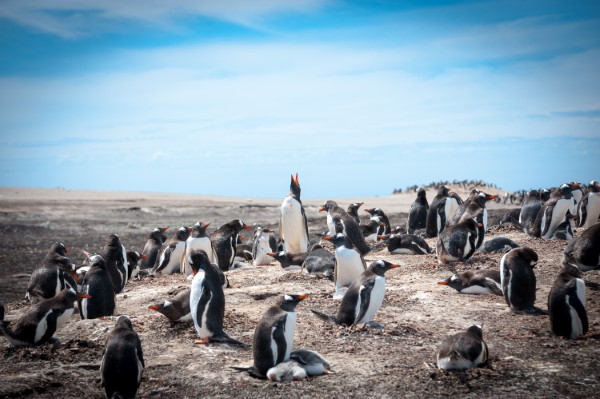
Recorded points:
(231, 97)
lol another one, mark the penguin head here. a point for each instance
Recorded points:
(453, 281)
(533, 194)
(570, 270)
(353, 207)
(476, 330)
(295, 186)
(379, 267)
(527, 254)
(339, 240)
(96, 261)
(70, 295)
(545, 194)
(289, 301)
(442, 191)
(113, 241)
(565, 190)
(124, 322)
(158, 234)
(481, 198)
(198, 260)
(328, 206)
(421, 194)
(594, 186)
(59, 248)
(199, 229)
(183, 233)
(237, 225)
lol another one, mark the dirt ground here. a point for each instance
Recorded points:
(398, 361)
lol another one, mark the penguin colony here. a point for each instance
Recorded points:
(460, 227)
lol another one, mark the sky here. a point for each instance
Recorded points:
(230, 97)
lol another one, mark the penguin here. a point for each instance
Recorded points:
(319, 261)
(56, 273)
(98, 284)
(263, 243)
(351, 229)
(168, 260)
(363, 298)
(155, 241)
(379, 216)
(289, 261)
(553, 212)
(409, 244)
(224, 242)
(349, 263)
(2, 321)
(133, 267)
(122, 361)
(243, 253)
(207, 300)
(462, 208)
(353, 210)
(39, 323)
(457, 242)
(497, 244)
(371, 230)
(518, 279)
(530, 209)
(584, 251)
(312, 362)
(545, 194)
(475, 282)
(476, 207)
(293, 226)
(198, 239)
(176, 309)
(566, 304)
(289, 370)
(463, 350)
(564, 231)
(417, 215)
(589, 206)
(577, 193)
(115, 257)
(443, 206)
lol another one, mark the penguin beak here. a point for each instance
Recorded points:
(491, 196)
(301, 296)
(321, 209)
(384, 237)
(394, 266)
(382, 224)
(188, 228)
(248, 227)
(83, 296)
(154, 307)
(479, 225)
(165, 228)
(205, 225)
(271, 254)
(327, 238)
(443, 282)
(144, 257)
(66, 250)
(575, 185)
(73, 274)
(296, 179)
(242, 237)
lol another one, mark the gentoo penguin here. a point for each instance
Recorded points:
(443, 206)
(115, 258)
(584, 251)
(371, 230)
(577, 193)
(457, 242)
(463, 350)
(99, 286)
(475, 282)
(293, 226)
(351, 229)
(155, 241)
(312, 362)
(353, 210)
(553, 212)
(198, 239)
(319, 261)
(363, 298)
(531, 207)
(409, 244)
(133, 267)
(123, 361)
(566, 304)
(39, 323)
(207, 300)
(417, 215)
(589, 206)
(263, 243)
(518, 279)
(564, 231)
(462, 208)
(545, 194)
(224, 242)
(176, 309)
(379, 216)
(497, 244)
(477, 206)
(289, 260)
(349, 263)
(290, 370)
(168, 260)
(56, 273)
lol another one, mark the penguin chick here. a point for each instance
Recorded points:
(312, 362)
(463, 350)
(584, 251)
(289, 370)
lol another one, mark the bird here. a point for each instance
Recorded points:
(98, 284)
(122, 361)
(293, 226)
(553, 212)
(133, 267)
(566, 304)
(115, 257)
(207, 300)
(42, 320)
(168, 260)
(564, 231)
(589, 206)
(530, 209)
(409, 244)
(462, 208)
(379, 216)
(54, 274)
(198, 239)
(263, 243)
(463, 350)
(457, 242)
(363, 298)
(584, 251)
(353, 210)
(370, 230)
(350, 228)
(176, 309)
(476, 206)
(319, 261)
(290, 370)
(312, 362)
(497, 244)
(518, 279)
(475, 282)
(224, 242)
(289, 260)
(153, 244)
(349, 263)
(417, 215)
(443, 206)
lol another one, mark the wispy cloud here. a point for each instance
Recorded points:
(591, 114)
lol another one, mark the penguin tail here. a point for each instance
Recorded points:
(323, 316)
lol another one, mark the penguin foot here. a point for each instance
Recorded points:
(203, 341)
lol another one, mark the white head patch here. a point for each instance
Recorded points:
(72, 291)
(288, 298)
(454, 278)
(380, 263)
(167, 303)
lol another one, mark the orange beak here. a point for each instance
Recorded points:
(188, 228)
(271, 254)
(154, 307)
(443, 282)
(165, 228)
(86, 254)
(303, 296)
(321, 209)
(492, 196)
(248, 227)
(83, 296)
(327, 238)
(144, 257)
(394, 266)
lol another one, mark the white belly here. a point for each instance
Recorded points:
(193, 244)
(293, 229)
(593, 210)
(64, 318)
(377, 294)
(262, 249)
(349, 266)
(371, 238)
(41, 328)
(174, 260)
(405, 251)
(502, 267)
(195, 295)
(485, 220)
(450, 208)
(475, 289)
(124, 278)
(447, 363)
(290, 329)
(576, 326)
(558, 215)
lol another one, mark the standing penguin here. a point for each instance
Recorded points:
(176, 309)
(379, 216)
(133, 267)
(224, 242)
(589, 206)
(442, 208)
(207, 300)
(293, 226)
(584, 251)
(349, 226)
(553, 212)
(457, 242)
(577, 193)
(150, 251)
(115, 257)
(123, 361)
(363, 298)
(566, 304)
(462, 208)
(349, 264)
(409, 244)
(417, 215)
(39, 323)
(98, 284)
(169, 255)
(56, 273)
(518, 279)
(463, 351)
(263, 243)
(531, 207)
(475, 282)
(477, 206)
(353, 210)
(198, 239)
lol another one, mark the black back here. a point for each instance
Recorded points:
(155, 241)
(113, 257)
(98, 284)
(565, 288)
(519, 281)
(224, 242)
(417, 215)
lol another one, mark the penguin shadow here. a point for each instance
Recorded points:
(592, 286)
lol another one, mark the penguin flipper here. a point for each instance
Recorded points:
(575, 302)
(279, 338)
(583, 211)
(323, 316)
(305, 224)
(548, 217)
(166, 257)
(490, 285)
(365, 295)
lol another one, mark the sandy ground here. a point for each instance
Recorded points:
(398, 361)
